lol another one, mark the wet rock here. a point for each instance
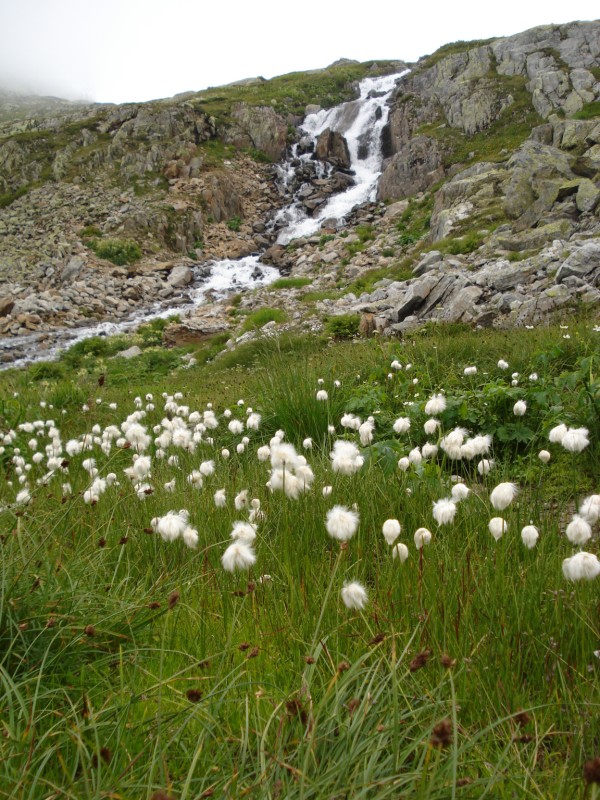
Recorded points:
(332, 146)
(180, 276)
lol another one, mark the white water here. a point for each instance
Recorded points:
(361, 122)
(226, 277)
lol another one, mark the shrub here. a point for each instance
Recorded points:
(234, 223)
(344, 326)
(118, 251)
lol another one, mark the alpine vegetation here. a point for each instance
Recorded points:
(359, 581)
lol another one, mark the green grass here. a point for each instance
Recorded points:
(131, 665)
(288, 94)
(257, 319)
(588, 111)
(290, 283)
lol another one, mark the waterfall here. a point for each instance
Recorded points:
(360, 121)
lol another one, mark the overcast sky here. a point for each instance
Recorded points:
(120, 50)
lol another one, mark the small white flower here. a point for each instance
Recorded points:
(236, 426)
(590, 508)
(263, 453)
(327, 490)
(400, 551)
(354, 595)
(502, 364)
(431, 426)
(170, 486)
(402, 425)
(190, 537)
(578, 530)
(435, 405)
(470, 371)
(422, 537)
(529, 536)
(575, 439)
(225, 454)
(503, 495)
(322, 395)
(544, 456)
(484, 466)
(220, 499)
(444, 511)
(557, 433)
(460, 492)
(244, 531)
(519, 408)
(581, 566)
(403, 464)
(307, 443)
(241, 500)
(238, 555)
(391, 530)
(195, 479)
(497, 526)
(341, 523)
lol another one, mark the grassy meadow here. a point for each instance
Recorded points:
(133, 664)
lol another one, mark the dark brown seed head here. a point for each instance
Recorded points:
(244, 646)
(123, 539)
(441, 735)
(239, 593)
(309, 659)
(173, 599)
(102, 542)
(353, 706)
(591, 770)
(295, 708)
(154, 604)
(205, 664)
(253, 653)
(51, 622)
(420, 660)
(343, 666)
(378, 638)
(522, 718)
(446, 661)
(105, 755)
(160, 795)
(193, 695)
(148, 530)
(89, 630)
(251, 587)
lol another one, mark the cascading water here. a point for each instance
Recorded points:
(360, 121)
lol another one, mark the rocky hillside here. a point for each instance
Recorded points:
(488, 211)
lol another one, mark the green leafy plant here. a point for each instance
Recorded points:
(344, 326)
(118, 251)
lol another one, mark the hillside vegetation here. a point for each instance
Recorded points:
(134, 664)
